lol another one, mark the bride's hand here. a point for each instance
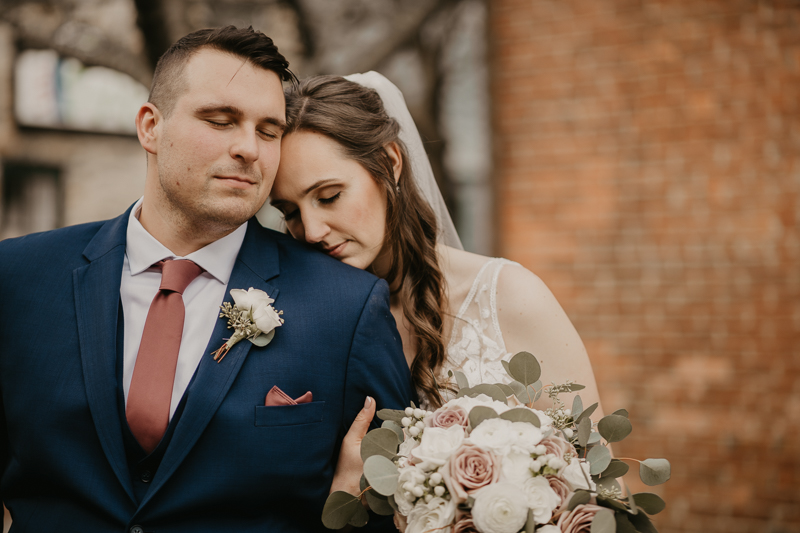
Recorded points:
(350, 467)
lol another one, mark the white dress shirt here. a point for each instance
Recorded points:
(203, 296)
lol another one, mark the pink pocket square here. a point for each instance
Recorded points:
(277, 397)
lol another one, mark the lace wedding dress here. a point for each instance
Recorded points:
(476, 345)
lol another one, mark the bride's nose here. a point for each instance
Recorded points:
(315, 229)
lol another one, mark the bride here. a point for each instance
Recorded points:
(355, 182)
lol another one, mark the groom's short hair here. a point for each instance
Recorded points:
(247, 43)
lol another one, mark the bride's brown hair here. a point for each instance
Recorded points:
(354, 117)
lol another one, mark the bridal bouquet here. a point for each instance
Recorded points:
(487, 462)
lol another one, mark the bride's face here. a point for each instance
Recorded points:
(329, 200)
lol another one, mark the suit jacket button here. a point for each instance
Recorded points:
(137, 529)
(146, 477)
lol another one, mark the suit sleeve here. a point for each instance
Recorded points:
(376, 366)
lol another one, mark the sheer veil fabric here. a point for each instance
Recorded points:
(422, 173)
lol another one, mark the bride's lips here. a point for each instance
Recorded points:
(335, 251)
(237, 182)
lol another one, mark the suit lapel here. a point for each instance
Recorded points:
(97, 306)
(257, 262)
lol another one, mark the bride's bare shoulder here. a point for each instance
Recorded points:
(459, 269)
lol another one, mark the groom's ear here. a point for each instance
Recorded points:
(397, 161)
(147, 121)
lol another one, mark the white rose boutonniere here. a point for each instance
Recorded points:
(252, 317)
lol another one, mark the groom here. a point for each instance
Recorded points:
(113, 414)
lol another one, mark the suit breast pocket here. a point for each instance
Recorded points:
(289, 415)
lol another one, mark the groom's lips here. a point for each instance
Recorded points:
(335, 251)
(238, 182)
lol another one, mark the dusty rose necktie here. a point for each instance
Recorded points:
(154, 373)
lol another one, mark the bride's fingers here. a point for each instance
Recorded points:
(361, 424)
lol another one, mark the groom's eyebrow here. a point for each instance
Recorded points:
(238, 113)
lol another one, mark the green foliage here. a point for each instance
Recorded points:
(521, 415)
(614, 428)
(654, 471)
(479, 413)
(621, 412)
(381, 441)
(524, 368)
(649, 503)
(579, 498)
(530, 523)
(382, 474)
(624, 524)
(395, 415)
(340, 508)
(394, 426)
(642, 523)
(603, 522)
(263, 339)
(379, 504)
(586, 413)
(461, 379)
(616, 468)
(492, 391)
(584, 431)
(577, 406)
(599, 457)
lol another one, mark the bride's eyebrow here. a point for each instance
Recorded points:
(317, 185)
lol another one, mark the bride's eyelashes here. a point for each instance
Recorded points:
(330, 199)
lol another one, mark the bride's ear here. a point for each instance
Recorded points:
(397, 161)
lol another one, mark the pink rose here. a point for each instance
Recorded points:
(450, 415)
(465, 525)
(469, 469)
(558, 446)
(561, 488)
(579, 520)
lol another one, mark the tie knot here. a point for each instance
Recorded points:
(176, 275)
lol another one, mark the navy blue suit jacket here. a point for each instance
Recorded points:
(232, 464)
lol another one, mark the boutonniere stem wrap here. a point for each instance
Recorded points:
(251, 317)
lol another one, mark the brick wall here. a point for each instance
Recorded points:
(648, 169)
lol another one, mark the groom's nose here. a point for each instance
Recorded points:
(244, 147)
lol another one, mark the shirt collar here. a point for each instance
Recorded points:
(217, 258)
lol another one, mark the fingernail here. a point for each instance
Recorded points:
(367, 402)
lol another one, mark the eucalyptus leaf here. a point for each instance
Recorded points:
(537, 385)
(575, 387)
(649, 503)
(382, 474)
(586, 413)
(381, 441)
(394, 426)
(360, 518)
(614, 428)
(579, 498)
(621, 412)
(624, 524)
(631, 501)
(642, 523)
(584, 432)
(604, 522)
(520, 391)
(379, 504)
(537, 393)
(594, 438)
(599, 457)
(524, 368)
(263, 339)
(392, 503)
(614, 504)
(479, 413)
(608, 483)
(615, 469)
(654, 471)
(520, 414)
(492, 391)
(505, 365)
(339, 508)
(363, 484)
(508, 391)
(461, 379)
(395, 415)
(577, 406)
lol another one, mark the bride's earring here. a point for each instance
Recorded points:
(397, 188)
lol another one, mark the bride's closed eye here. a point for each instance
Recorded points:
(330, 199)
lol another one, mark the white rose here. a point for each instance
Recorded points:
(435, 515)
(404, 498)
(573, 475)
(548, 529)
(481, 399)
(437, 445)
(546, 423)
(526, 437)
(266, 318)
(406, 446)
(500, 508)
(246, 300)
(494, 434)
(542, 499)
(516, 468)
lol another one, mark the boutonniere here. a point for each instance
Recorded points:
(251, 317)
